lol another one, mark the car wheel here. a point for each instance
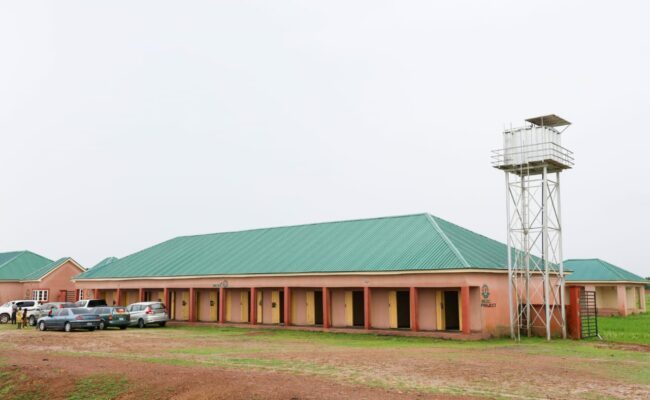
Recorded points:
(42, 327)
(67, 327)
(102, 325)
(32, 321)
(122, 327)
(4, 318)
(162, 324)
(140, 323)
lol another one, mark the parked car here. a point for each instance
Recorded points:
(67, 319)
(148, 313)
(115, 316)
(45, 309)
(5, 309)
(90, 303)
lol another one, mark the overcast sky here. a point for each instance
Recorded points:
(127, 123)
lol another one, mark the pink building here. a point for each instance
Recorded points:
(415, 272)
(26, 275)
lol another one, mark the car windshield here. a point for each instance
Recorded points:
(78, 311)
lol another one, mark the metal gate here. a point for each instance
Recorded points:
(588, 314)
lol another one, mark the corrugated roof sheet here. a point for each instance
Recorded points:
(17, 265)
(403, 243)
(105, 261)
(597, 270)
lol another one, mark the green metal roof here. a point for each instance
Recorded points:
(404, 243)
(105, 261)
(597, 270)
(17, 265)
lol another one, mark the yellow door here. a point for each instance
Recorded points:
(213, 305)
(392, 309)
(440, 311)
(244, 305)
(199, 299)
(132, 297)
(185, 302)
(108, 296)
(349, 321)
(260, 303)
(228, 306)
(309, 303)
(275, 304)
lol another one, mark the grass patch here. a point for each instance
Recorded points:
(99, 387)
(630, 329)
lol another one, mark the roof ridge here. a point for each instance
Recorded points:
(299, 225)
(444, 236)
(612, 268)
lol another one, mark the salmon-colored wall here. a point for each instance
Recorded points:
(12, 291)
(427, 309)
(58, 280)
(379, 313)
(493, 320)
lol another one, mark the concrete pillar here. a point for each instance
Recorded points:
(192, 305)
(287, 306)
(96, 294)
(326, 308)
(573, 319)
(464, 298)
(366, 308)
(413, 292)
(252, 308)
(118, 297)
(141, 294)
(222, 305)
(166, 299)
(622, 299)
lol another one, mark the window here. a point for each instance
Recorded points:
(40, 295)
(80, 294)
(23, 304)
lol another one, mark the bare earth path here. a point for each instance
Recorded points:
(232, 363)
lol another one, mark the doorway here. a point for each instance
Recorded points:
(318, 308)
(357, 308)
(282, 307)
(452, 322)
(403, 309)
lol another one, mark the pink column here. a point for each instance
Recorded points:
(414, 309)
(141, 294)
(222, 305)
(192, 305)
(326, 307)
(366, 308)
(253, 306)
(573, 318)
(118, 296)
(287, 306)
(464, 298)
(622, 300)
(166, 298)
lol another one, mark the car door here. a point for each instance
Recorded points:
(59, 318)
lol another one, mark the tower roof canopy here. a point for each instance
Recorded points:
(551, 120)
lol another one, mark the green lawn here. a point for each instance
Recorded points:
(630, 329)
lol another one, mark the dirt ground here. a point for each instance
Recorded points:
(230, 363)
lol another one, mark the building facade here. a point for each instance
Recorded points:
(26, 275)
(414, 272)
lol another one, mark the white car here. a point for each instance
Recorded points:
(90, 303)
(5, 309)
(148, 313)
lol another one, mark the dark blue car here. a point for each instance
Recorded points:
(67, 319)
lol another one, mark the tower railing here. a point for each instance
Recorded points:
(533, 154)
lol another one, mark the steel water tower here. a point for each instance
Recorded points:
(532, 158)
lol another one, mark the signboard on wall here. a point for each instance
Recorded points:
(485, 297)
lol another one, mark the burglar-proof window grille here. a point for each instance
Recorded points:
(80, 294)
(40, 295)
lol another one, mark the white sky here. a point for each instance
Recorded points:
(124, 123)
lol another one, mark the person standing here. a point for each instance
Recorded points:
(14, 310)
(19, 318)
(25, 317)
